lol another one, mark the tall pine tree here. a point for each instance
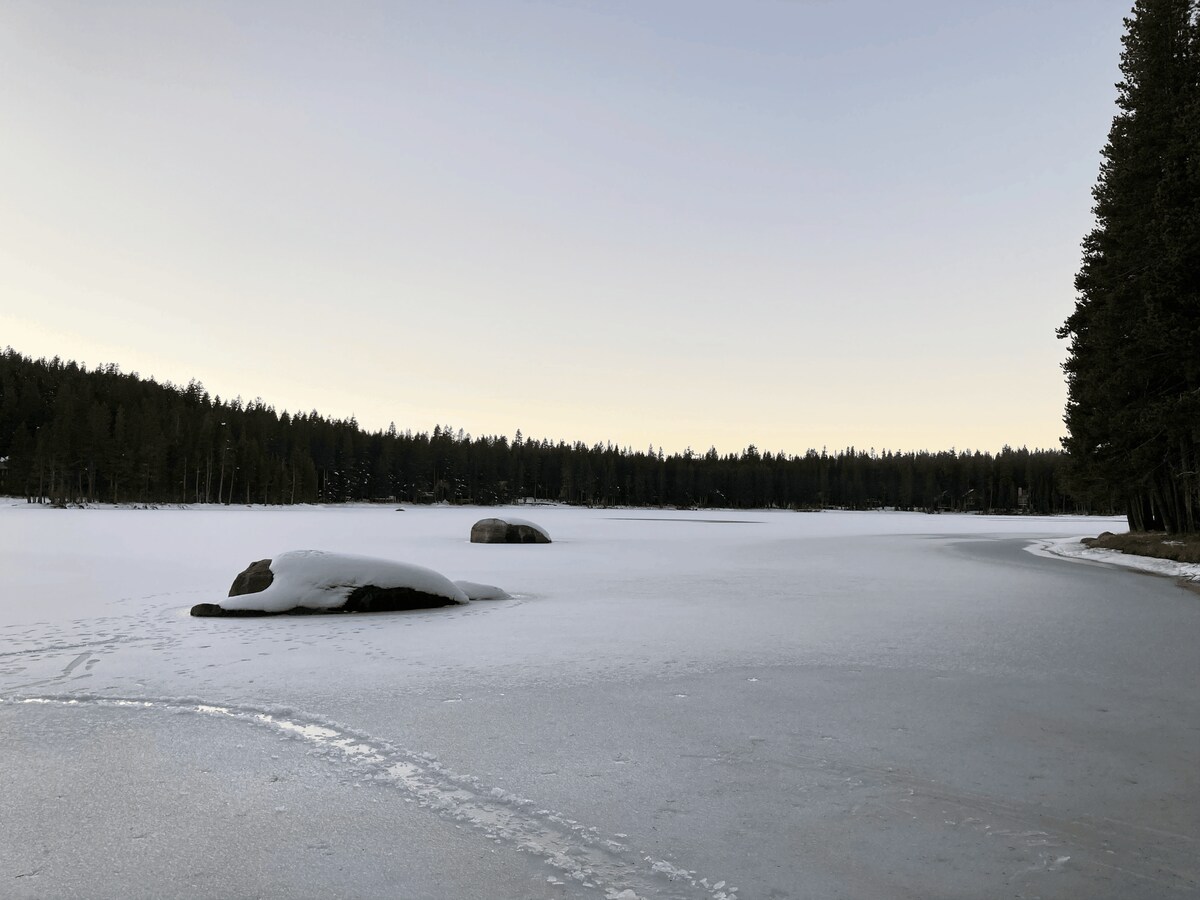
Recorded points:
(1133, 370)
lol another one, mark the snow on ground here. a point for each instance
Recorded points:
(1074, 548)
(702, 704)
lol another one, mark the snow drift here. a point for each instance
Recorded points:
(315, 581)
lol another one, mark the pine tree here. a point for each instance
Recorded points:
(1133, 370)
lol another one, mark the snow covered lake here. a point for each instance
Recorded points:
(693, 705)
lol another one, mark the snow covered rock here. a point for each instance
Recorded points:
(313, 581)
(508, 531)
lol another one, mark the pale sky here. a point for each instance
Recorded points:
(794, 224)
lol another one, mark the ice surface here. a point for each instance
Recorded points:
(672, 704)
(318, 579)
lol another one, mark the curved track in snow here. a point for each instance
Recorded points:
(570, 850)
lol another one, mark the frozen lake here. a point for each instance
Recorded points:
(693, 705)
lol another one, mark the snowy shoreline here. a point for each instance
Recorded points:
(543, 505)
(1074, 549)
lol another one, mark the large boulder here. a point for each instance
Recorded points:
(508, 531)
(313, 581)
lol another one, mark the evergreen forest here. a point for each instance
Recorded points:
(1133, 369)
(73, 436)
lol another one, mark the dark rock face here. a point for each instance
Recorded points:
(256, 577)
(212, 609)
(367, 598)
(498, 531)
(489, 531)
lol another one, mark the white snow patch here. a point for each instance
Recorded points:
(476, 591)
(316, 579)
(1073, 548)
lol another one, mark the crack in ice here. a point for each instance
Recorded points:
(577, 852)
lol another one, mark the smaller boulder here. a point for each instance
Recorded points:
(508, 531)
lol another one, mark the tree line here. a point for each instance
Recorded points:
(73, 436)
